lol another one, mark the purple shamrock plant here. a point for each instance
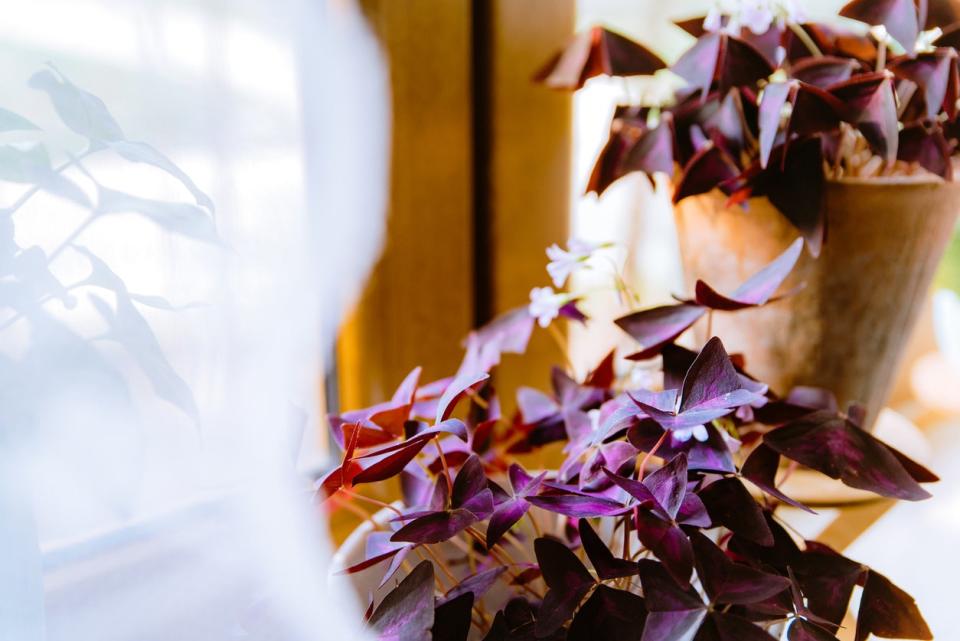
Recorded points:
(771, 104)
(656, 511)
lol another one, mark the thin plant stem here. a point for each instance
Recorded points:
(805, 38)
(561, 342)
(371, 501)
(443, 461)
(533, 522)
(443, 566)
(881, 55)
(710, 324)
(653, 450)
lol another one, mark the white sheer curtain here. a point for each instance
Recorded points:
(150, 426)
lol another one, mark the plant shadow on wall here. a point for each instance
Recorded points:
(29, 283)
(663, 522)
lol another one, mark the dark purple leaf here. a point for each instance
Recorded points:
(597, 51)
(609, 166)
(934, 74)
(708, 169)
(476, 584)
(729, 627)
(832, 445)
(872, 107)
(827, 579)
(728, 582)
(406, 613)
(604, 562)
(436, 527)
(731, 505)
(711, 455)
(756, 290)
(470, 481)
(889, 612)
(802, 630)
(390, 461)
(898, 16)
(654, 328)
(693, 512)
(668, 543)
(653, 150)
(611, 615)
(452, 618)
(761, 468)
(568, 582)
(504, 517)
(927, 147)
(794, 183)
(823, 71)
(712, 381)
(742, 64)
(669, 485)
(674, 612)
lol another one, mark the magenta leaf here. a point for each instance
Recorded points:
(656, 327)
(698, 65)
(756, 290)
(731, 505)
(609, 614)
(452, 618)
(726, 581)
(772, 102)
(609, 165)
(577, 505)
(711, 455)
(889, 612)
(669, 485)
(595, 52)
(457, 388)
(604, 562)
(568, 582)
(832, 445)
(406, 613)
(898, 16)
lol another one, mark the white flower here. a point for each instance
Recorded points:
(545, 304)
(756, 15)
(699, 432)
(564, 262)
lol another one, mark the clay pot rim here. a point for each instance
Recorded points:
(892, 181)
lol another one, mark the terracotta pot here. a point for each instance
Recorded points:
(845, 330)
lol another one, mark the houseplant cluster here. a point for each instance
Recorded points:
(843, 131)
(662, 520)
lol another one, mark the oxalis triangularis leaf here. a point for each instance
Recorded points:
(659, 326)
